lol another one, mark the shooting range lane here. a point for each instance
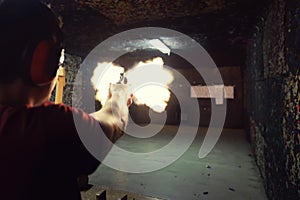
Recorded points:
(228, 172)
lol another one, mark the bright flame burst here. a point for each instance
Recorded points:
(149, 82)
(104, 74)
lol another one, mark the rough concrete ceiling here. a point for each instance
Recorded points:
(133, 11)
(215, 24)
(130, 11)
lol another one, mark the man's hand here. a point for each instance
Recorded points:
(113, 116)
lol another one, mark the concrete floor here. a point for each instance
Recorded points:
(228, 172)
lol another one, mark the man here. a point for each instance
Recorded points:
(41, 153)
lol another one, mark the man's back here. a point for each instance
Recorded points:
(41, 153)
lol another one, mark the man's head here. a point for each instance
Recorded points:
(30, 42)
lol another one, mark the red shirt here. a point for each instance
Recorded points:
(41, 154)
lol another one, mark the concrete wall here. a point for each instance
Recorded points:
(272, 91)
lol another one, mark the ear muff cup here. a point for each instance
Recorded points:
(40, 61)
(44, 63)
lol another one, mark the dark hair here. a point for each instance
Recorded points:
(23, 22)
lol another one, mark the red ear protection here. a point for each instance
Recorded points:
(40, 62)
(41, 70)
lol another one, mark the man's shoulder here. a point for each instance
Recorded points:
(65, 112)
(60, 108)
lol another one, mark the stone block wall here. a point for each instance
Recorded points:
(272, 93)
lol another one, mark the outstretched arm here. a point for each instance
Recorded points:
(109, 124)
